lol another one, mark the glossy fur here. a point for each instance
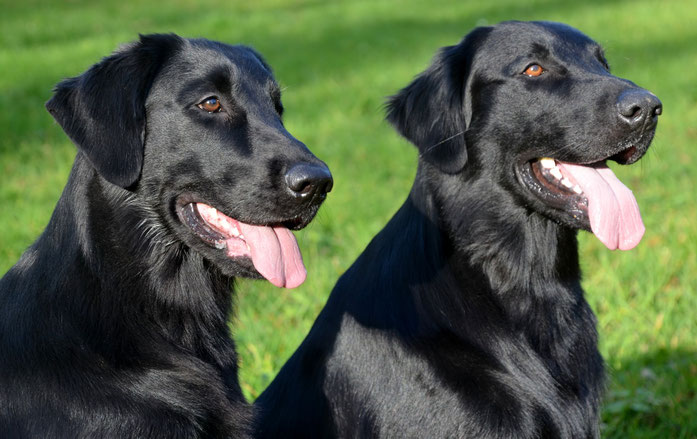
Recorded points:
(114, 323)
(464, 317)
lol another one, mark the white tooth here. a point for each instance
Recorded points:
(577, 189)
(547, 163)
(566, 183)
(235, 232)
(220, 245)
(556, 172)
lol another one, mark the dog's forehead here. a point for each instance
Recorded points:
(237, 61)
(561, 40)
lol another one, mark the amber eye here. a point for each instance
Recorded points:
(211, 105)
(533, 70)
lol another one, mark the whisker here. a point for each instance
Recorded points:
(441, 142)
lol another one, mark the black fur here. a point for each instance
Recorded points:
(465, 317)
(114, 323)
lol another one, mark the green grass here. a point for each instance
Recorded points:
(336, 62)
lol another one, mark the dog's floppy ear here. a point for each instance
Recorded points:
(432, 111)
(103, 110)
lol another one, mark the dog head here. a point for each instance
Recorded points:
(533, 109)
(193, 129)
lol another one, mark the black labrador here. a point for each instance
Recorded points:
(114, 323)
(465, 317)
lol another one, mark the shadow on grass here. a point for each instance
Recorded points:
(652, 396)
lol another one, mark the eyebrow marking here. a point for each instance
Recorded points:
(222, 78)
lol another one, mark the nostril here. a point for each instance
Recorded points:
(633, 112)
(325, 187)
(329, 186)
(658, 110)
(298, 182)
(304, 188)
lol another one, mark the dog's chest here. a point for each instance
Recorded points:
(392, 390)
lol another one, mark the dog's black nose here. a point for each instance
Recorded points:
(306, 180)
(635, 106)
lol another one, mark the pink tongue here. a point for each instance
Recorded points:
(275, 254)
(612, 209)
(274, 250)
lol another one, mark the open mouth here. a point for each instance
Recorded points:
(590, 195)
(272, 248)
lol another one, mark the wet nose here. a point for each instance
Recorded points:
(307, 180)
(636, 106)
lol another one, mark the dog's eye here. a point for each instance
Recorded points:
(533, 70)
(211, 105)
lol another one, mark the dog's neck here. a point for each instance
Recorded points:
(124, 250)
(519, 251)
(523, 266)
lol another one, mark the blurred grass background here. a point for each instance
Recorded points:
(336, 61)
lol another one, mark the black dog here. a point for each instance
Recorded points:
(464, 317)
(115, 322)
